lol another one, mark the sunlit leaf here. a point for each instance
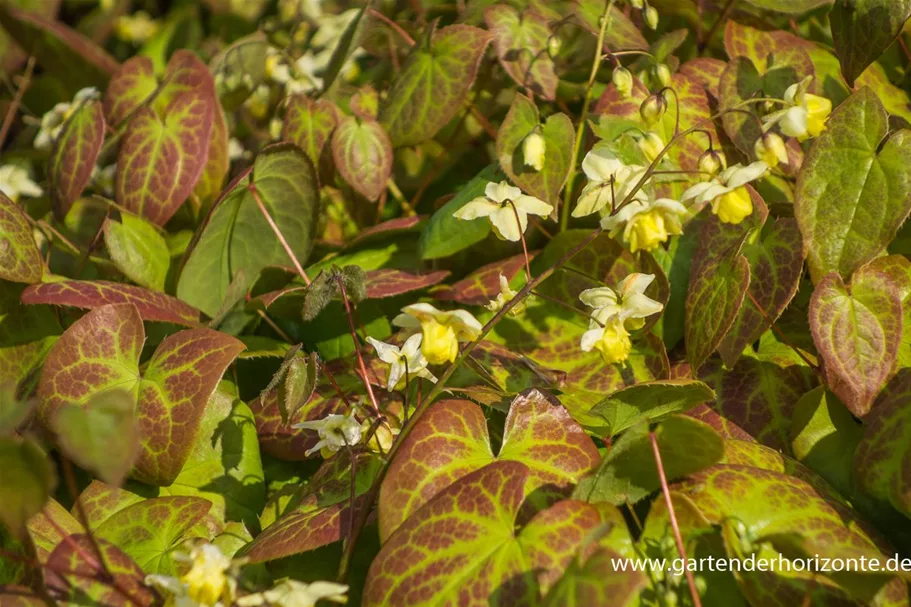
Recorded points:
(863, 29)
(522, 43)
(649, 401)
(138, 250)
(363, 155)
(20, 260)
(309, 124)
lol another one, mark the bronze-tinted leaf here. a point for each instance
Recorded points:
(309, 124)
(73, 156)
(363, 155)
(96, 293)
(521, 40)
(389, 282)
(128, 88)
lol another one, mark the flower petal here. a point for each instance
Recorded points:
(590, 338)
(744, 175)
(501, 192)
(386, 352)
(597, 298)
(479, 207)
(506, 225)
(637, 282)
(533, 206)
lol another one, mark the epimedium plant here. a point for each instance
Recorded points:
(425, 304)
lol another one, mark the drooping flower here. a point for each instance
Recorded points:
(645, 225)
(712, 162)
(209, 580)
(628, 301)
(291, 593)
(653, 108)
(611, 340)
(506, 207)
(505, 295)
(534, 147)
(623, 81)
(407, 359)
(442, 330)
(807, 115)
(52, 121)
(730, 199)
(609, 180)
(770, 149)
(651, 145)
(15, 183)
(335, 432)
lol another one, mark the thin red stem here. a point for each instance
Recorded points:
(522, 238)
(357, 348)
(278, 234)
(17, 100)
(681, 549)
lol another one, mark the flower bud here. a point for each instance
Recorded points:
(653, 108)
(553, 45)
(623, 81)
(651, 17)
(651, 145)
(771, 149)
(712, 162)
(534, 146)
(275, 129)
(663, 73)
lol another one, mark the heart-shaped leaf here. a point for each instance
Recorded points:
(101, 436)
(101, 351)
(73, 578)
(74, 59)
(149, 531)
(863, 29)
(486, 561)
(599, 581)
(93, 294)
(20, 260)
(649, 401)
(621, 32)
(712, 305)
(628, 472)
(776, 264)
(857, 331)
(883, 455)
(433, 83)
(522, 41)
(854, 161)
(363, 155)
(769, 51)
(161, 159)
(138, 250)
(237, 237)
(521, 121)
(309, 124)
(73, 156)
(451, 440)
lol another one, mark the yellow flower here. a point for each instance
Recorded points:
(645, 225)
(209, 581)
(533, 149)
(628, 301)
(730, 199)
(733, 207)
(507, 209)
(611, 340)
(609, 181)
(291, 593)
(505, 295)
(335, 432)
(442, 331)
(807, 115)
(770, 149)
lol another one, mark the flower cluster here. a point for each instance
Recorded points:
(15, 182)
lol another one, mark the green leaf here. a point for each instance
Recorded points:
(649, 401)
(824, 436)
(451, 440)
(149, 531)
(857, 331)
(73, 156)
(433, 84)
(854, 161)
(363, 155)
(20, 260)
(558, 134)
(73, 578)
(237, 237)
(522, 41)
(484, 555)
(101, 436)
(898, 268)
(444, 235)
(309, 124)
(597, 582)
(50, 526)
(26, 483)
(138, 250)
(795, 7)
(224, 464)
(162, 158)
(347, 43)
(713, 303)
(621, 31)
(628, 472)
(101, 351)
(883, 455)
(863, 29)
(74, 59)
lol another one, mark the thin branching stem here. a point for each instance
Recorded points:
(278, 233)
(17, 100)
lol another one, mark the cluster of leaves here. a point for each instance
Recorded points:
(211, 211)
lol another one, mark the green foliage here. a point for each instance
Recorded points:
(247, 346)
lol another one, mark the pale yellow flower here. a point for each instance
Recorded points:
(442, 330)
(730, 199)
(506, 207)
